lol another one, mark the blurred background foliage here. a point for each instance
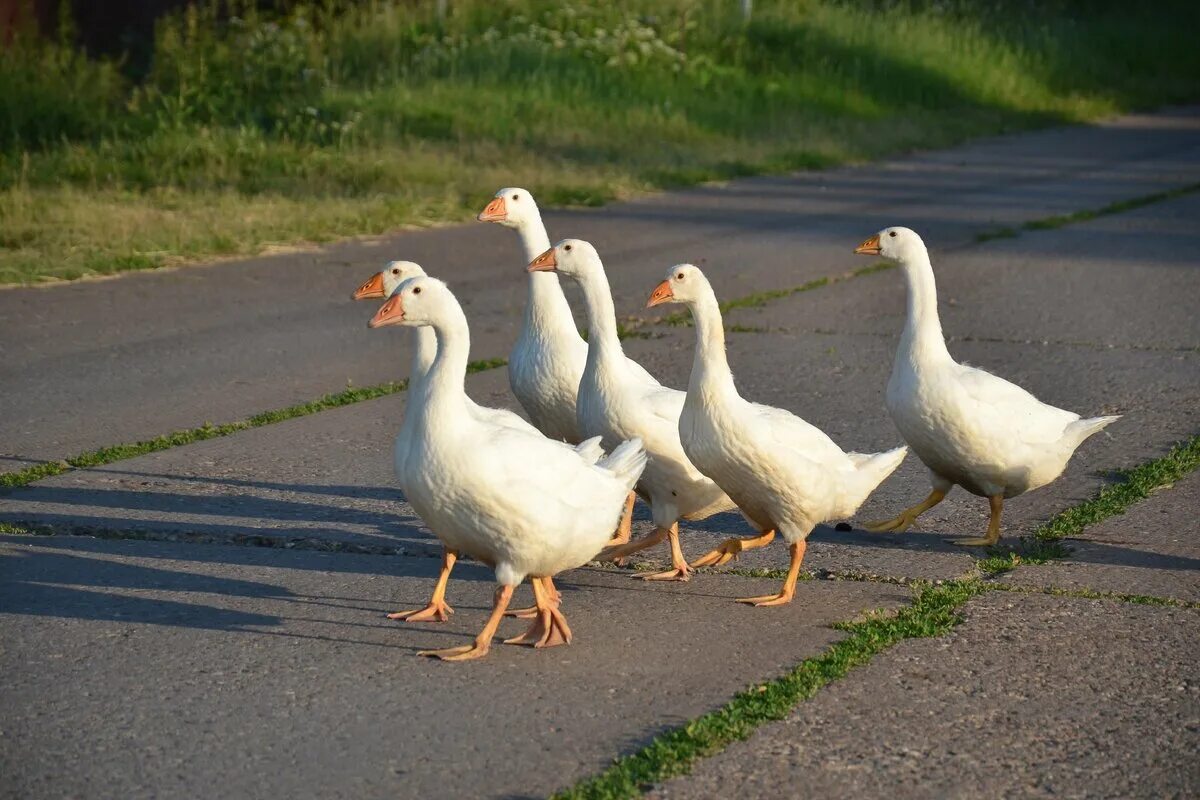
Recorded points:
(222, 127)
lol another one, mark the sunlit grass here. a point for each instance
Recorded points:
(364, 121)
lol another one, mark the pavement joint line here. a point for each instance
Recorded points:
(120, 452)
(309, 543)
(322, 545)
(1133, 485)
(1093, 594)
(763, 298)
(760, 299)
(951, 339)
(1062, 220)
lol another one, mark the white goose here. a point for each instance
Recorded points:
(381, 285)
(969, 427)
(618, 403)
(524, 504)
(784, 474)
(547, 361)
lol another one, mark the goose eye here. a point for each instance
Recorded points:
(516, 197)
(679, 277)
(396, 272)
(567, 247)
(892, 234)
(416, 290)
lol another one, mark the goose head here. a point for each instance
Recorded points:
(574, 258)
(511, 207)
(894, 244)
(685, 283)
(384, 282)
(418, 301)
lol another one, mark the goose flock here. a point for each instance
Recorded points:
(533, 499)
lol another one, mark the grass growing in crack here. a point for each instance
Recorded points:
(1030, 551)
(120, 452)
(1091, 594)
(1136, 484)
(934, 612)
(760, 299)
(1061, 220)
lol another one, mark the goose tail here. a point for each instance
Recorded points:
(626, 462)
(1078, 431)
(870, 470)
(590, 450)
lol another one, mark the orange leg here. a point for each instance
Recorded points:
(625, 527)
(993, 529)
(901, 522)
(550, 627)
(622, 551)
(532, 611)
(483, 642)
(438, 608)
(789, 583)
(732, 548)
(679, 571)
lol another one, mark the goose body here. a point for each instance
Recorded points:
(618, 402)
(524, 504)
(969, 427)
(424, 350)
(785, 474)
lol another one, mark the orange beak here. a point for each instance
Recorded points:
(661, 294)
(390, 313)
(543, 263)
(371, 289)
(870, 247)
(495, 211)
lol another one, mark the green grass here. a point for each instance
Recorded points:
(1091, 594)
(760, 299)
(932, 613)
(342, 119)
(120, 452)
(1134, 484)
(1061, 220)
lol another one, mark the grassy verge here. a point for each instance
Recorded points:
(119, 452)
(336, 119)
(933, 613)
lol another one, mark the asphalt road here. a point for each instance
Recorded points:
(216, 645)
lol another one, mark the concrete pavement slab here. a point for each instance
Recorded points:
(1032, 696)
(1152, 549)
(101, 362)
(140, 669)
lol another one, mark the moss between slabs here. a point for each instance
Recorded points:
(120, 452)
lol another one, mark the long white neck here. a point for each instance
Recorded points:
(922, 339)
(443, 395)
(424, 350)
(546, 308)
(604, 345)
(710, 377)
